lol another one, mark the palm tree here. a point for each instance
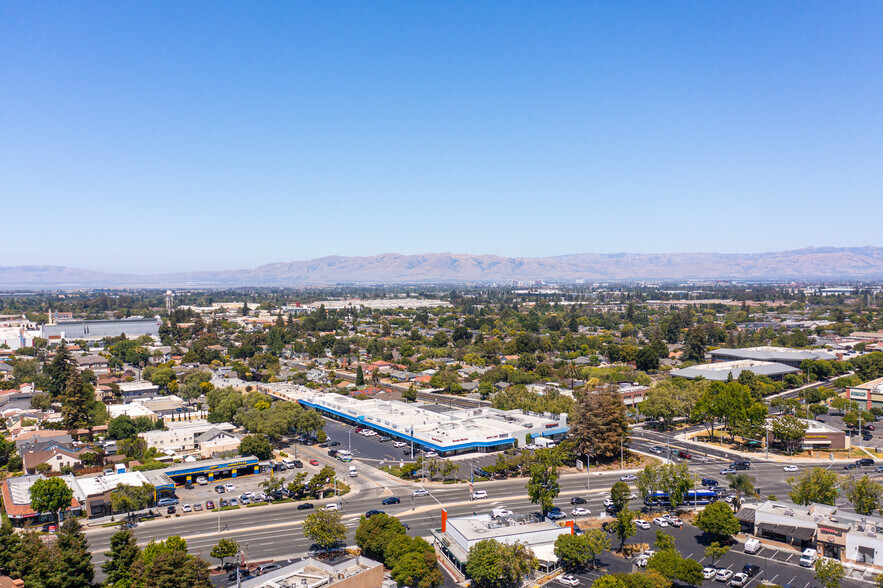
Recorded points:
(742, 484)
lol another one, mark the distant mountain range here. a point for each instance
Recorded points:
(812, 264)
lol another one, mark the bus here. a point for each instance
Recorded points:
(344, 456)
(692, 497)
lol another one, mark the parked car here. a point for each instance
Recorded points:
(675, 522)
(399, 444)
(390, 500)
(224, 503)
(383, 439)
(166, 502)
(229, 487)
(568, 580)
(751, 570)
(197, 507)
(479, 494)
(660, 522)
(739, 580)
(723, 575)
(333, 443)
(266, 568)
(202, 480)
(304, 506)
(580, 512)
(577, 500)
(709, 482)
(171, 510)
(431, 454)
(234, 502)
(709, 573)
(298, 463)
(186, 508)
(642, 524)
(210, 504)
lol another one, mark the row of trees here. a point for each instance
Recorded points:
(411, 560)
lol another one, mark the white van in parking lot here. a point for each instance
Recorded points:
(752, 545)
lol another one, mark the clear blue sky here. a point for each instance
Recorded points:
(164, 136)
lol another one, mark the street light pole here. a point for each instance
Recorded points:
(588, 478)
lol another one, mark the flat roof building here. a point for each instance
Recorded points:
(869, 394)
(721, 371)
(783, 355)
(344, 571)
(481, 429)
(95, 330)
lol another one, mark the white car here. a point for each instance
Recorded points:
(399, 444)
(660, 522)
(642, 561)
(675, 522)
(420, 492)
(580, 512)
(642, 524)
(370, 433)
(628, 478)
(431, 454)
(186, 508)
(739, 580)
(202, 480)
(608, 502)
(332, 506)
(709, 573)
(229, 487)
(723, 575)
(569, 580)
(727, 472)
(531, 446)
(478, 494)
(791, 468)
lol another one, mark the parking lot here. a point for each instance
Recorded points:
(777, 567)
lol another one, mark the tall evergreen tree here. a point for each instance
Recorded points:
(73, 562)
(8, 546)
(60, 370)
(360, 377)
(78, 398)
(123, 553)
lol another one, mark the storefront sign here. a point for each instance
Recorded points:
(862, 394)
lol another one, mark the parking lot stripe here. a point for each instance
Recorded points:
(792, 580)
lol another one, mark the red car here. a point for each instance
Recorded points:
(210, 505)
(314, 462)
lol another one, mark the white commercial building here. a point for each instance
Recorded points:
(181, 436)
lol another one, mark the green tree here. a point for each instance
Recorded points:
(864, 494)
(789, 430)
(71, 558)
(624, 526)
(324, 528)
(620, 494)
(578, 550)
(9, 542)
(257, 445)
(60, 370)
(671, 565)
(418, 569)
(599, 422)
(611, 581)
(79, 396)
(165, 564)
(225, 548)
(715, 551)
(410, 395)
(743, 486)
(664, 540)
(123, 553)
(122, 427)
(374, 534)
(360, 377)
(647, 359)
(126, 498)
(718, 520)
(543, 488)
(829, 572)
(814, 485)
(51, 495)
(498, 565)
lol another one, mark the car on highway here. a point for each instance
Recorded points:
(790, 468)
(608, 502)
(580, 512)
(660, 522)
(479, 494)
(569, 580)
(657, 449)
(577, 500)
(723, 575)
(373, 512)
(628, 478)
(314, 462)
(304, 506)
(186, 508)
(556, 515)
(420, 492)
(709, 573)
(390, 500)
(229, 487)
(739, 580)
(399, 444)
(332, 506)
(850, 466)
(727, 471)
(642, 524)
(708, 482)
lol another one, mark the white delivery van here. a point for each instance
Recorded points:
(752, 546)
(353, 472)
(809, 557)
